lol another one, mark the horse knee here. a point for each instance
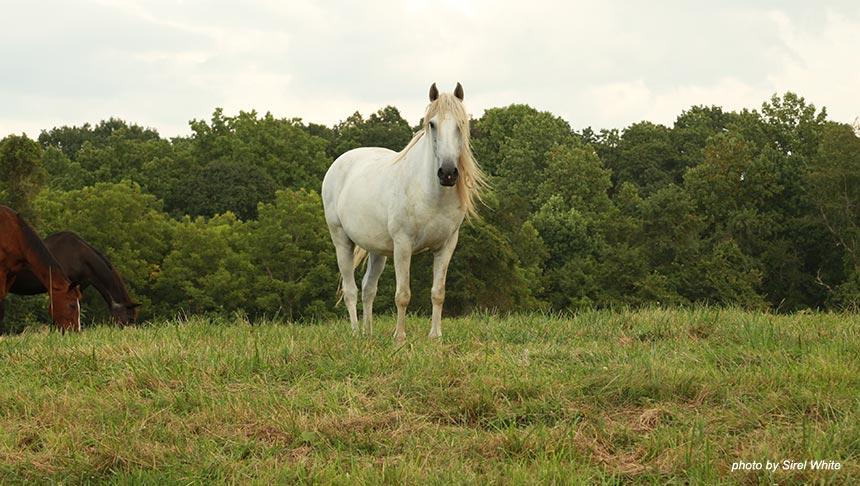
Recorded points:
(402, 297)
(437, 296)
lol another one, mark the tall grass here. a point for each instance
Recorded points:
(646, 397)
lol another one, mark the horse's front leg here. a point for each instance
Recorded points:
(441, 259)
(5, 285)
(402, 261)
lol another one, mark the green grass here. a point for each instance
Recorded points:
(643, 397)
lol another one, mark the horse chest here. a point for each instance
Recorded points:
(425, 228)
(11, 261)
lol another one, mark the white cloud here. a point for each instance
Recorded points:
(161, 63)
(821, 66)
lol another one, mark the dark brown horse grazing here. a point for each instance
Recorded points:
(87, 266)
(21, 249)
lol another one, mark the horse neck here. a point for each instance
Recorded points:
(109, 284)
(50, 274)
(46, 269)
(95, 269)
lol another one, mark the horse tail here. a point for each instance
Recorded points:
(358, 256)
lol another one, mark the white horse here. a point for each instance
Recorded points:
(399, 204)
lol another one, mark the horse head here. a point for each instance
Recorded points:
(446, 123)
(66, 307)
(125, 313)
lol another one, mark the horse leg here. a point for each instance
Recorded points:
(441, 259)
(375, 265)
(4, 290)
(402, 261)
(345, 263)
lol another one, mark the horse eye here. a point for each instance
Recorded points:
(432, 125)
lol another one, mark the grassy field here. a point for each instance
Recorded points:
(643, 397)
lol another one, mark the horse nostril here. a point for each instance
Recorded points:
(447, 175)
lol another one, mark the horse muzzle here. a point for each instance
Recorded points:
(448, 176)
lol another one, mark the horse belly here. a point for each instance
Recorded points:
(27, 284)
(368, 230)
(361, 209)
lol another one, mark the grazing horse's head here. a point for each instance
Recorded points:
(66, 306)
(125, 314)
(448, 127)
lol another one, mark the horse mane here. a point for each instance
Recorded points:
(32, 240)
(119, 281)
(472, 180)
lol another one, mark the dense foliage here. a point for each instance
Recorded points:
(758, 208)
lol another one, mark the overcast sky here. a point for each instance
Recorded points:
(602, 64)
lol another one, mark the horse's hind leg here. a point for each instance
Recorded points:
(344, 248)
(375, 265)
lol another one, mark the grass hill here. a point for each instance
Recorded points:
(604, 397)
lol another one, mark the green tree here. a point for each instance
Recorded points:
(793, 125)
(207, 269)
(736, 192)
(385, 128)
(575, 244)
(281, 148)
(22, 175)
(578, 175)
(224, 185)
(296, 270)
(70, 140)
(513, 144)
(834, 180)
(167, 175)
(63, 173)
(691, 132)
(646, 157)
(120, 157)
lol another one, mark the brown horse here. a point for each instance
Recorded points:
(21, 249)
(87, 266)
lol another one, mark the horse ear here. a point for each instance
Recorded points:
(434, 93)
(458, 91)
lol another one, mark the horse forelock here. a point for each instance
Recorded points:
(472, 180)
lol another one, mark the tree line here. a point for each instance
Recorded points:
(758, 208)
